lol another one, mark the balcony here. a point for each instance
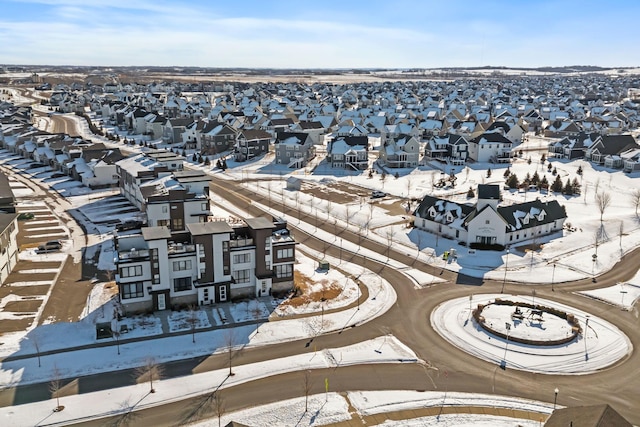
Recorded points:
(179, 248)
(241, 242)
(133, 254)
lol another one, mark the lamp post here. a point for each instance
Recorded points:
(586, 330)
(503, 365)
(506, 266)
(594, 257)
(555, 398)
(553, 275)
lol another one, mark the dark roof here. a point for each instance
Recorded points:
(514, 213)
(587, 416)
(6, 219)
(492, 137)
(281, 136)
(5, 188)
(355, 140)
(616, 144)
(441, 206)
(488, 192)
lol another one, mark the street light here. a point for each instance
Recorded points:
(553, 275)
(503, 364)
(506, 265)
(555, 398)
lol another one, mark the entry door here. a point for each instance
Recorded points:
(162, 303)
(222, 293)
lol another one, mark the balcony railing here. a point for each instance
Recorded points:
(133, 254)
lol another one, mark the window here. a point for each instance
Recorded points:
(225, 246)
(165, 209)
(182, 265)
(131, 290)
(133, 271)
(284, 270)
(267, 243)
(487, 222)
(240, 258)
(285, 253)
(163, 222)
(242, 276)
(182, 284)
(177, 224)
(204, 207)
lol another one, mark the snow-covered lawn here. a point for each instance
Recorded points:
(600, 345)
(623, 295)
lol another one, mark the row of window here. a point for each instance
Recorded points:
(136, 289)
(284, 253)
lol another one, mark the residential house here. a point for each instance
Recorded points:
(606, 150)
(7, 199)
(251, 143)
(211, 262)
(215, 138)
(294, 149)
(491, 147)
(486, 224)
(452, 149)
(400, 152)
(350, 152)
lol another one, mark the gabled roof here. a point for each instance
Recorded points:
(531, 214)
(587, 416)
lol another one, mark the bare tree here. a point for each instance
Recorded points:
(306, 388)
(192, 320)
(596, 187)
(408, 184)
(348, 213)
(603, 200)
(150, 371)
(230, 339)
(635, 200)
(596, 239)
(36, 344)
(218, 406)
(257, 314)
(55, 385)
(621, 231)
(389, 234)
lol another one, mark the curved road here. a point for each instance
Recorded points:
(408, 320)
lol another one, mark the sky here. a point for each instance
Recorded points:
(323, 34)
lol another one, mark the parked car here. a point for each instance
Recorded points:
(130, 224)
(378, 194)
(50, 246)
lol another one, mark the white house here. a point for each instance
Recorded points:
(486, 224)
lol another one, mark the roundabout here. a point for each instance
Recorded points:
(541, 336)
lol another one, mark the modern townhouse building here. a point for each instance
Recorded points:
(212, 262)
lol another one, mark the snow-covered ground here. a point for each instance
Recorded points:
(601, 344)
(623, 295)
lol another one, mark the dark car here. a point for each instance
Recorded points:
(130, 224)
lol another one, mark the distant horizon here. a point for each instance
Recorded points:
(331, 34)
(485, 67)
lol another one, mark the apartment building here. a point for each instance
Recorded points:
(211, 262)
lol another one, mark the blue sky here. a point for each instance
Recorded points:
(321, 33)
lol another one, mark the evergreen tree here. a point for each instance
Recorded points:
(194, 158)
(489, 173)
(512, 181)
(527, 180)
(529, 160)
(535, 179)
(568, 188)
(543, 158)
(544, 183)
(549, 166)
(507, 173)
(556, 187)
(207, 162)
(575, 186)
(554, 172)
(470, 193)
